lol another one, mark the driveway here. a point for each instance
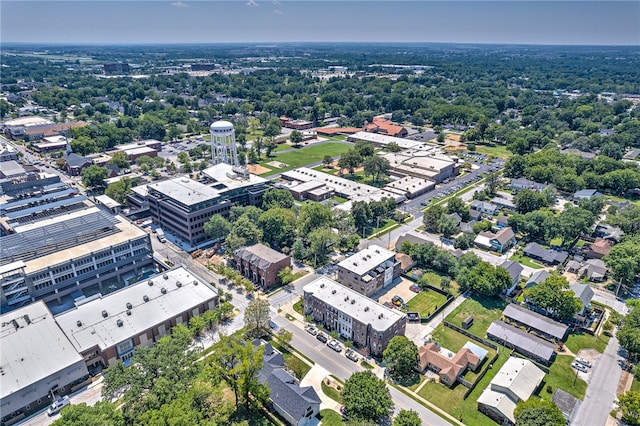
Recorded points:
(401, 288)
(314, 378)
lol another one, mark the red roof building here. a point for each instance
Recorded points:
(385, 127)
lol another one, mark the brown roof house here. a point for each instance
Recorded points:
(261, 264)
(450, 368)
(385, 127)
(599, 249)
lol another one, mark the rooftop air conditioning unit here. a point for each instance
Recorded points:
(163, 290)
(128, 312)
(79, 323)
(150, 282)
(105, 314)
(353, 301)
(178, 284)
(333, 292)
(129, 305)
(145, 298)
(120, 323)
(195, 282)
(165, 276)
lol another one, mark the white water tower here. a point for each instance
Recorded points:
(223, 143)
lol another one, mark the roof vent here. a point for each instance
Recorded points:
(163, 290)
(128, 312)
(195, 282)
(322, 285)
(105, 314)
(178, 284)
(145, 298)
(366, 309)
(346, 298)
(120, 323)
(129, 305)
(333, 291)
(353, 301)
(380, 316)
(150, 282)
(165, 276)
(79, 323)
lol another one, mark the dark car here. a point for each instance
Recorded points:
(322, 337)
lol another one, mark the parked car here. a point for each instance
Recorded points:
(579, 367)
(273, 325)
(397, 300)
(389, 305)
(343, 411)
(58, 405)
(333, 344)
(583, 362)
(311, 330)
(321, 337)
(414, 288)
(352, 355)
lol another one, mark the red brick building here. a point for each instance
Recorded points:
(261, 264)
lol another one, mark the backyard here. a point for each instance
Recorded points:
(435, 280)
(580, 340)
(304, 156)
(562, 375)
(426, 302)
(484, 311)
(526, 261)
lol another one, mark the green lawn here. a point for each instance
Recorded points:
(562, 376)
(426, 302)
(581, 243)
(556, 241)
(635, 386)
(330, 418)
(435, 280)
(579, 340)
(323, 169)
(331, 392)
(339, 199)
(303, 156)
(495, 150)
(454, 341)
(621, 199)
(527, 261)
(484, 310)
(451, 400)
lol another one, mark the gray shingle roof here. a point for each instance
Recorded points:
(521, 339)
(513, 268)
(260, 255)
(535, 320)
(547, 255)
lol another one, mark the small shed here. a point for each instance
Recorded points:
(468, 322)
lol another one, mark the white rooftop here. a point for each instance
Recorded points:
(367, 259)
(32, 120)
(186, 191)
(225, 174)
(353, 304)
(95, 329)
(135, 145)
(56, 219)
(107, 201)
(34, 350)
(379, 139)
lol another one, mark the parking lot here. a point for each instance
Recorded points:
(400, 289)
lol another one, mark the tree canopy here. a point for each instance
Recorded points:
(555, 296)
(401, 357)
(366, 398)
(538, 412)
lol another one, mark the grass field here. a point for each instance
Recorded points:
(635, 386)
(578, 340)
(303, 156)
(499, 151)
(330, 418)
(426, 302)
(331, 392)
(321, 168)
(524, 260)
(435, 280)
(451, 400)
(562, 376)
(484, 310)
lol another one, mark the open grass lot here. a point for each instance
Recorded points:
(454, 341)
(330, 418)
(451, 400)
(562, 376)
(579, 340)
(635, 386)
(484, 310)
(621, 200)
(331, 392)
(435, 280)
(305, 155)
(499, 151)
(323, 169)
(426, 302)
(524, 260)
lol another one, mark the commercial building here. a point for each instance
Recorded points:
(355, 317)
(516, 381)
(382, 140)
(8, 152)
(261, 264)
(182, 206)
(106, 329)
(18, 127)
(54, 258)
(410, 187)
(51, 143)
(427, 164)
(149, 148)
(37, 362)
(385, 127)
(369, 270)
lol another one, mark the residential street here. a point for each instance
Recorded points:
(603, 384)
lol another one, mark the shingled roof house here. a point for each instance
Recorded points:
(261, 264)
(298, 405)
(449, 369)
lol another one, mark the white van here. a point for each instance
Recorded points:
(58, 405)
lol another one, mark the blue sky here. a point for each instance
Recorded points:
(261, 21)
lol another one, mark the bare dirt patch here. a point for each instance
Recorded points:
(257, 169)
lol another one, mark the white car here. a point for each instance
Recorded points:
(58, 405)
(579, 367)
(333, 344)
(583, 362)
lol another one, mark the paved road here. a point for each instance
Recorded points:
(601, 392)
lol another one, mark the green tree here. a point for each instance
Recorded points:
(538, 412)
(217, 227)
(277, 198)
(298, 250)
(102, 413)
(401, 357)
(83, 145)
(447, 226)
(350, 161)
(120, 159)
(377, 167)
(624, 260)
(313, 216)
(327, 161)
(118, 190)
(407, 418)
(491, 183)
(629, 403)
(527, 201)
(320, 241)
(244, 231)
(278, 227)
(629, 332)
(285, 276)
(257, 317)
(366, 398)
(295, 137)
(432, 217)
(94, 176)
(555, 296)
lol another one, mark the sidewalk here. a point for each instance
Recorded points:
(314, 378)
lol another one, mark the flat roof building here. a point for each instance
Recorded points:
(355, 317)
(107, 328)
(369, 270)
(37, 362)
